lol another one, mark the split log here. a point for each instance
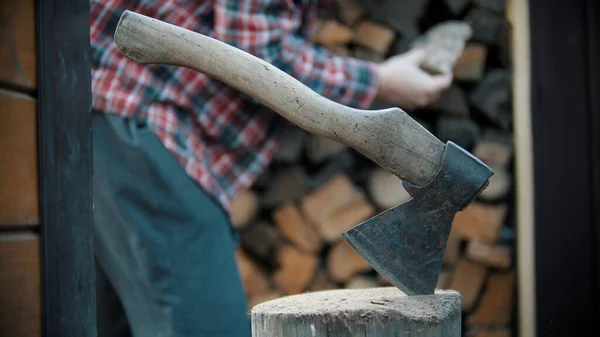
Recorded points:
(400, 15)
(444, 279)
(492, 98)
(319, 204)
(296, 270)
(457, 6)
(287, 185)
(374, 36)
(362, 282)
(480, 221)
(498, 186)
(354, 213)
(261, 240)
(470, 65)
(363, 53)
(494, 148)
(498, 332)
(453, 102)
(18, 54)
(339, 50)
(292, 226)
(489, 255)
(254, 279)
(495, 307)
(264, 297)
(291, 144)
(452, 251)
(319, 148)
(498, 6)
(468, 279)
(350, 11)
(372, 312)
(332, 32)
(386, 189)
(322, 282)
(244, 208)
(343, 262)
(488, 26)
(338, 164)
(462, 131)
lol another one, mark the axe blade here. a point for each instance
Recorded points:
(406, 243)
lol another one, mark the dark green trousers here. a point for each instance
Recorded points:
(165, 250)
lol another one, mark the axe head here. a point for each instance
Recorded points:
(406, 244)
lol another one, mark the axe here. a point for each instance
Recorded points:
(406, 243)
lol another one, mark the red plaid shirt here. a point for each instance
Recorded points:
(221, 137)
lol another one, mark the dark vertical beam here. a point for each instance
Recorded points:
(563, 136)
(64, 131)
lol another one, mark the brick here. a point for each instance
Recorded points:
(289, 184)
(332, 32)
(462, 131)
(490, 255)
(355, 212)
(452, 252)
(498, 186)
(319, 149)
(496, 304)
(480, 221)
(470, 65)
(253, 278)
(386, 189)
(292, 226)
(374, 36)
(244, 208)
(19, 194)
(452, 102)
(296, 271)
(322, 282)
(324, 201)
(468, 279)
(362, 282)
(492, 97)
(18, 49)
(443, 44)
(20, 285)
(343, 262)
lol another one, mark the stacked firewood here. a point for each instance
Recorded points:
(291, 221)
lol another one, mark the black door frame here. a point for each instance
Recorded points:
(565, 82)
(65, 168)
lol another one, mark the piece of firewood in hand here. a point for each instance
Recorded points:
(343, 262)
(292, 226)
(253, 278)
(244, 208)
(386, 189)
(357, 211)
(296, 270)
(374, 36)
(443, 44)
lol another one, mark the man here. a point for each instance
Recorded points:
(173, 147)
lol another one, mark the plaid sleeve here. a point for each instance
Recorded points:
(273, 31)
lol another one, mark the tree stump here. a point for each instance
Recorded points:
(373, 312)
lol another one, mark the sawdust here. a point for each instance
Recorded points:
(362, 305)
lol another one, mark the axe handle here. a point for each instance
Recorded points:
(389, 137)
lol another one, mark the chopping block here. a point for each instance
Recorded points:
(372, 312)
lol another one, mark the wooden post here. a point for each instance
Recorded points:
(373, 312)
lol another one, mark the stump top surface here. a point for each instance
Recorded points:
(388, 302)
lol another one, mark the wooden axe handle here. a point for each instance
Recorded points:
(389, 137)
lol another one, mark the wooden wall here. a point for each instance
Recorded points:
(20, 291)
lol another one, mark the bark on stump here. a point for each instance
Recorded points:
(373, 312)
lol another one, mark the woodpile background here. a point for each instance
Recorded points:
(292, 220)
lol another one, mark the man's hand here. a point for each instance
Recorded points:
(405, 84)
